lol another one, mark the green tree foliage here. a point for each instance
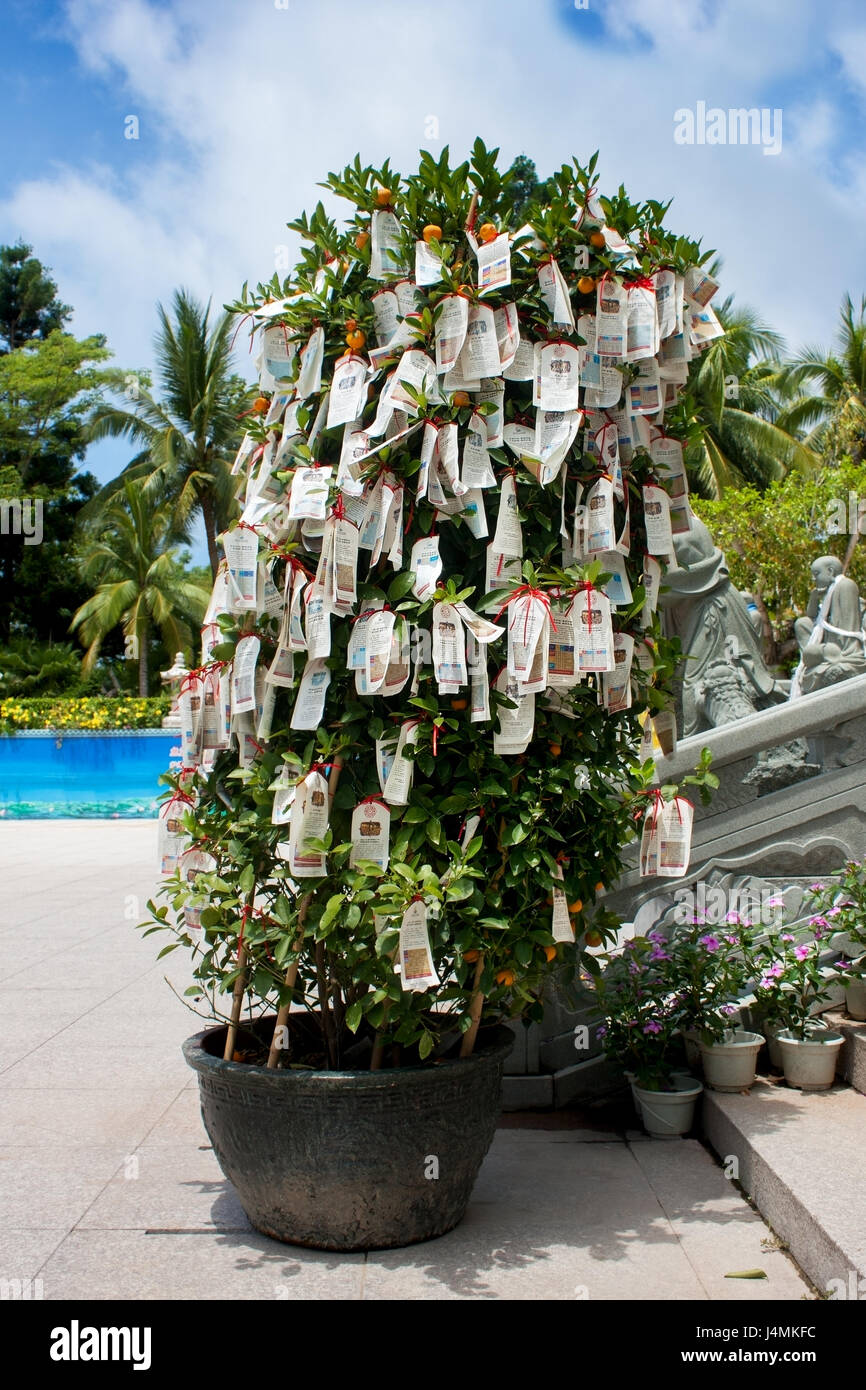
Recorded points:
(825, 390)
(770, 539)
(29, 307)
(130, 561)
(48, 389)
(188, 436)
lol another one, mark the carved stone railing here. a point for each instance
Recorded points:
(790, 809)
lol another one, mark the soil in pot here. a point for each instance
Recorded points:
(350, 1160)
(810, 1063)
(729, 1065)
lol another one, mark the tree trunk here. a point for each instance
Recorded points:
(143, 671)
(209, 518)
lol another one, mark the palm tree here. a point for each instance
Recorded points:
(132, 564)
(834, 413)
(190, 436)
(731, 408)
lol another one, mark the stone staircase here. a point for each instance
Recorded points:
(799, 1158)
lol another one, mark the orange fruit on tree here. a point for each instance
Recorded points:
(383, 197)
(361, 240)
(260, 405)
(471, 956)
(586, 284)
(550, 952)
(505, 977)
(593, 938)
(597, 239)
(555, 749)
(432, 233)
(461, 398)
(459, 704)
(599, 888)
(356, 339)
(488, 232)
(351, 325)
(576, 906)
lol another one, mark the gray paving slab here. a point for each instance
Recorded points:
(109, 1187)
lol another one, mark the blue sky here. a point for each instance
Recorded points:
(244, 104)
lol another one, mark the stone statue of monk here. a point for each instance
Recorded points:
(831, 634)
(714, 625)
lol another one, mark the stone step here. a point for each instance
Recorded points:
(799, 1158)
(852, 1057)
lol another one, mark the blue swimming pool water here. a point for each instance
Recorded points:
(80, 774)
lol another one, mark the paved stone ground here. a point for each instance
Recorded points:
(108, 1188)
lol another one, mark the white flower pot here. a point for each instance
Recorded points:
(729, 1065)
(669, 1114)
(771, 1036)
(810, 1063)
(855, 999)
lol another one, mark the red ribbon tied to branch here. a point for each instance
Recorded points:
(527, 591)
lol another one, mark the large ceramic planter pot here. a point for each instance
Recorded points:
(347, 1160)
(855, 999)
(810, 1063)
(669, 1114)
(729, 1065)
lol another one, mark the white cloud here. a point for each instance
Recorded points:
(244, 108)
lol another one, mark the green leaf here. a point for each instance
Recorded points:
(354, 1014)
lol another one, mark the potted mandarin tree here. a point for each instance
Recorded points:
(432, 671)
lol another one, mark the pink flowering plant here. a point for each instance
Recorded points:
(790, 979)
(705, 967)
(840, 907)
(641, 1018)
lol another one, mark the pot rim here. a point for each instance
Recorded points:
(736, 1038)
(501, 1042)
(827, 1037)
(678, 1093)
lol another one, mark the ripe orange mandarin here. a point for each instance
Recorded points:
(432, 233)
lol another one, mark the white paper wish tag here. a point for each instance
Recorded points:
(611, 321)
(310, 702)
(494, 263)
(370, 833)
(554, 292)
(417, 971)
(516, 726)
(451, 324)
(657, 519)
(594, 630)
(562, 671)
(449, 648)
(244, 675)
(561, 924)
(479, 356)
(616, 684)
(284, 796)
(385, 260)
(241, 548)
(189, 707)
(309, 495)
(508, 536)
(665, 846)
(172, 839)
(428, 264)
(600, 533)
(617, 586)
(309, 821)
(476, 470)
(479, 687)
(398, 781)
(348, 390)
(191, 866)
(557, 376)
(309, 382)
(425, 565)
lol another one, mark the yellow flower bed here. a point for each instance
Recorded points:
(91, 712)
